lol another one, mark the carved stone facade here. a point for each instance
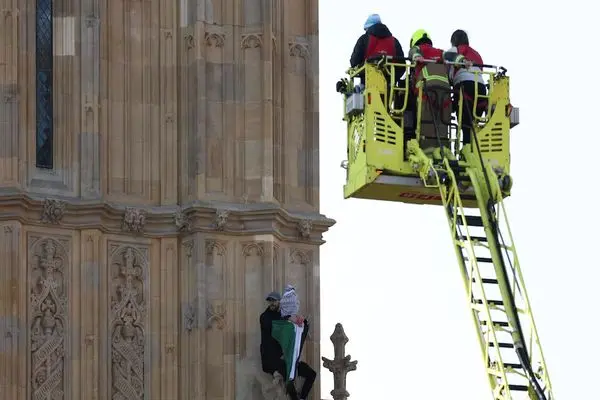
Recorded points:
(182, 187)
(48, 307)
(128, 316)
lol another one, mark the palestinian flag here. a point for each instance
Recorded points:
(291, 337)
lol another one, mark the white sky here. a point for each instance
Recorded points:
(388, 270)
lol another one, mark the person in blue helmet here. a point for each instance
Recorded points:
(377, 40)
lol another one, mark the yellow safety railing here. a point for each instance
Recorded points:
(396, 97)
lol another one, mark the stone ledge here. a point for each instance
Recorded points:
(234, 219)
(254, 384)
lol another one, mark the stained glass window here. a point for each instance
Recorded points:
(43, 68)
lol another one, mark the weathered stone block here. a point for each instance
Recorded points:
(255, 384)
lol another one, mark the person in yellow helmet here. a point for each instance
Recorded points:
(430, 73)
(421, 49)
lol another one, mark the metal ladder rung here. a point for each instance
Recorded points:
(487, 280)
(502, 345)
(518, 388)
(472, 220)
(488, 260)
(497, 323)
(513, 366)
(493, 302)
(477, 238)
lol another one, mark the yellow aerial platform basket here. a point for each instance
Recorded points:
(406, 147)
(379, 163)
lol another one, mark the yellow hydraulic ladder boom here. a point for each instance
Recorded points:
(498, 299)
(471, 183)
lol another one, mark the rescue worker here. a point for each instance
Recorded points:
(376, 40)
(436, 102)
(463, 78)
(421, 48)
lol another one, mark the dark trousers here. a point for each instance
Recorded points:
(435, 115)
(468, 88)
(303, 370)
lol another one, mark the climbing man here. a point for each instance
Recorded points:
(377, 40)
(274, 329)
(464, 78)
(431, 75)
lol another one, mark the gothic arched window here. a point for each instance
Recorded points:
(43, 69)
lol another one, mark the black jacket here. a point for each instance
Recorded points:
(270, 349)
(377, 30)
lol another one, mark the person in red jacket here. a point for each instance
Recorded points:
(377, 40)
(421, 49)
(464, 77)
(436, 102)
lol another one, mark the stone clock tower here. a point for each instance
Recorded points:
(159, 173)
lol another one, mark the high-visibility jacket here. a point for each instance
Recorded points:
(433, 74)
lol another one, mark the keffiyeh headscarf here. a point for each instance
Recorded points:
(290, 304)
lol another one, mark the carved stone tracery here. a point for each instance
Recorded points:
(189, 41)
(188, 248)
(220, 222)
(128, 319)
(251, 40)
(189, 316)
(134, 220)
(299, 50)
(215, 247)
(253, 249)
(182, 220)
(215, 315)
(53, 211)
(48, 306)
(299, 256)
(214, 39)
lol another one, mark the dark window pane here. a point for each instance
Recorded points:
(44, 60)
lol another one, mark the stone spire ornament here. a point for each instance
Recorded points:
(341, 364)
